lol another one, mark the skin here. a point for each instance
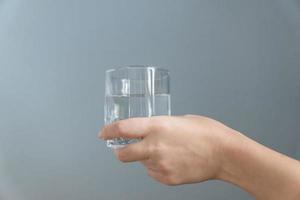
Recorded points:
(190, 149)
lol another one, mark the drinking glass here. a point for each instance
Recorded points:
(135, 91)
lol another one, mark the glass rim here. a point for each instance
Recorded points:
(134, 67)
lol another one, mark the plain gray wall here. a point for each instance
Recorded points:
(237, 61)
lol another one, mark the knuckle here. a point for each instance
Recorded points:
(171, 180)
(157, 177)
(162, 178)
(156, 148)
(160, 125)
(163, 167)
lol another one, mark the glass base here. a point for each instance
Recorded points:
(120, 142)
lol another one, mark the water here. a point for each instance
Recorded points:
(122, 107)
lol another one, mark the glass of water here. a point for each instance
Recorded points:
(135, 91)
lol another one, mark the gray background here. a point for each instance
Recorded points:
(236, 61)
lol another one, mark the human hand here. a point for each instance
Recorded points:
(175, 150)
(190, 149)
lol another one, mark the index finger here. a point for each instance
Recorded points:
(127, 128)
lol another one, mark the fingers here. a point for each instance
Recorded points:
(128, 128)
(132, 152)
(162, 178)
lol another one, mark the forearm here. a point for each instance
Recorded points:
(261, 171)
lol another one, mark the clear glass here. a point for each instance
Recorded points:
(135, 91)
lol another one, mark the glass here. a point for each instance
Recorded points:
(135, 91)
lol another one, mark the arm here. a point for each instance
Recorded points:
(190, 149)
(259, 170)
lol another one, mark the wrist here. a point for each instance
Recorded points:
(264, 173)
(240, 163)
(230, 146)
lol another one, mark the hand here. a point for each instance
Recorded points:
(175, 150)
(189, 149)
